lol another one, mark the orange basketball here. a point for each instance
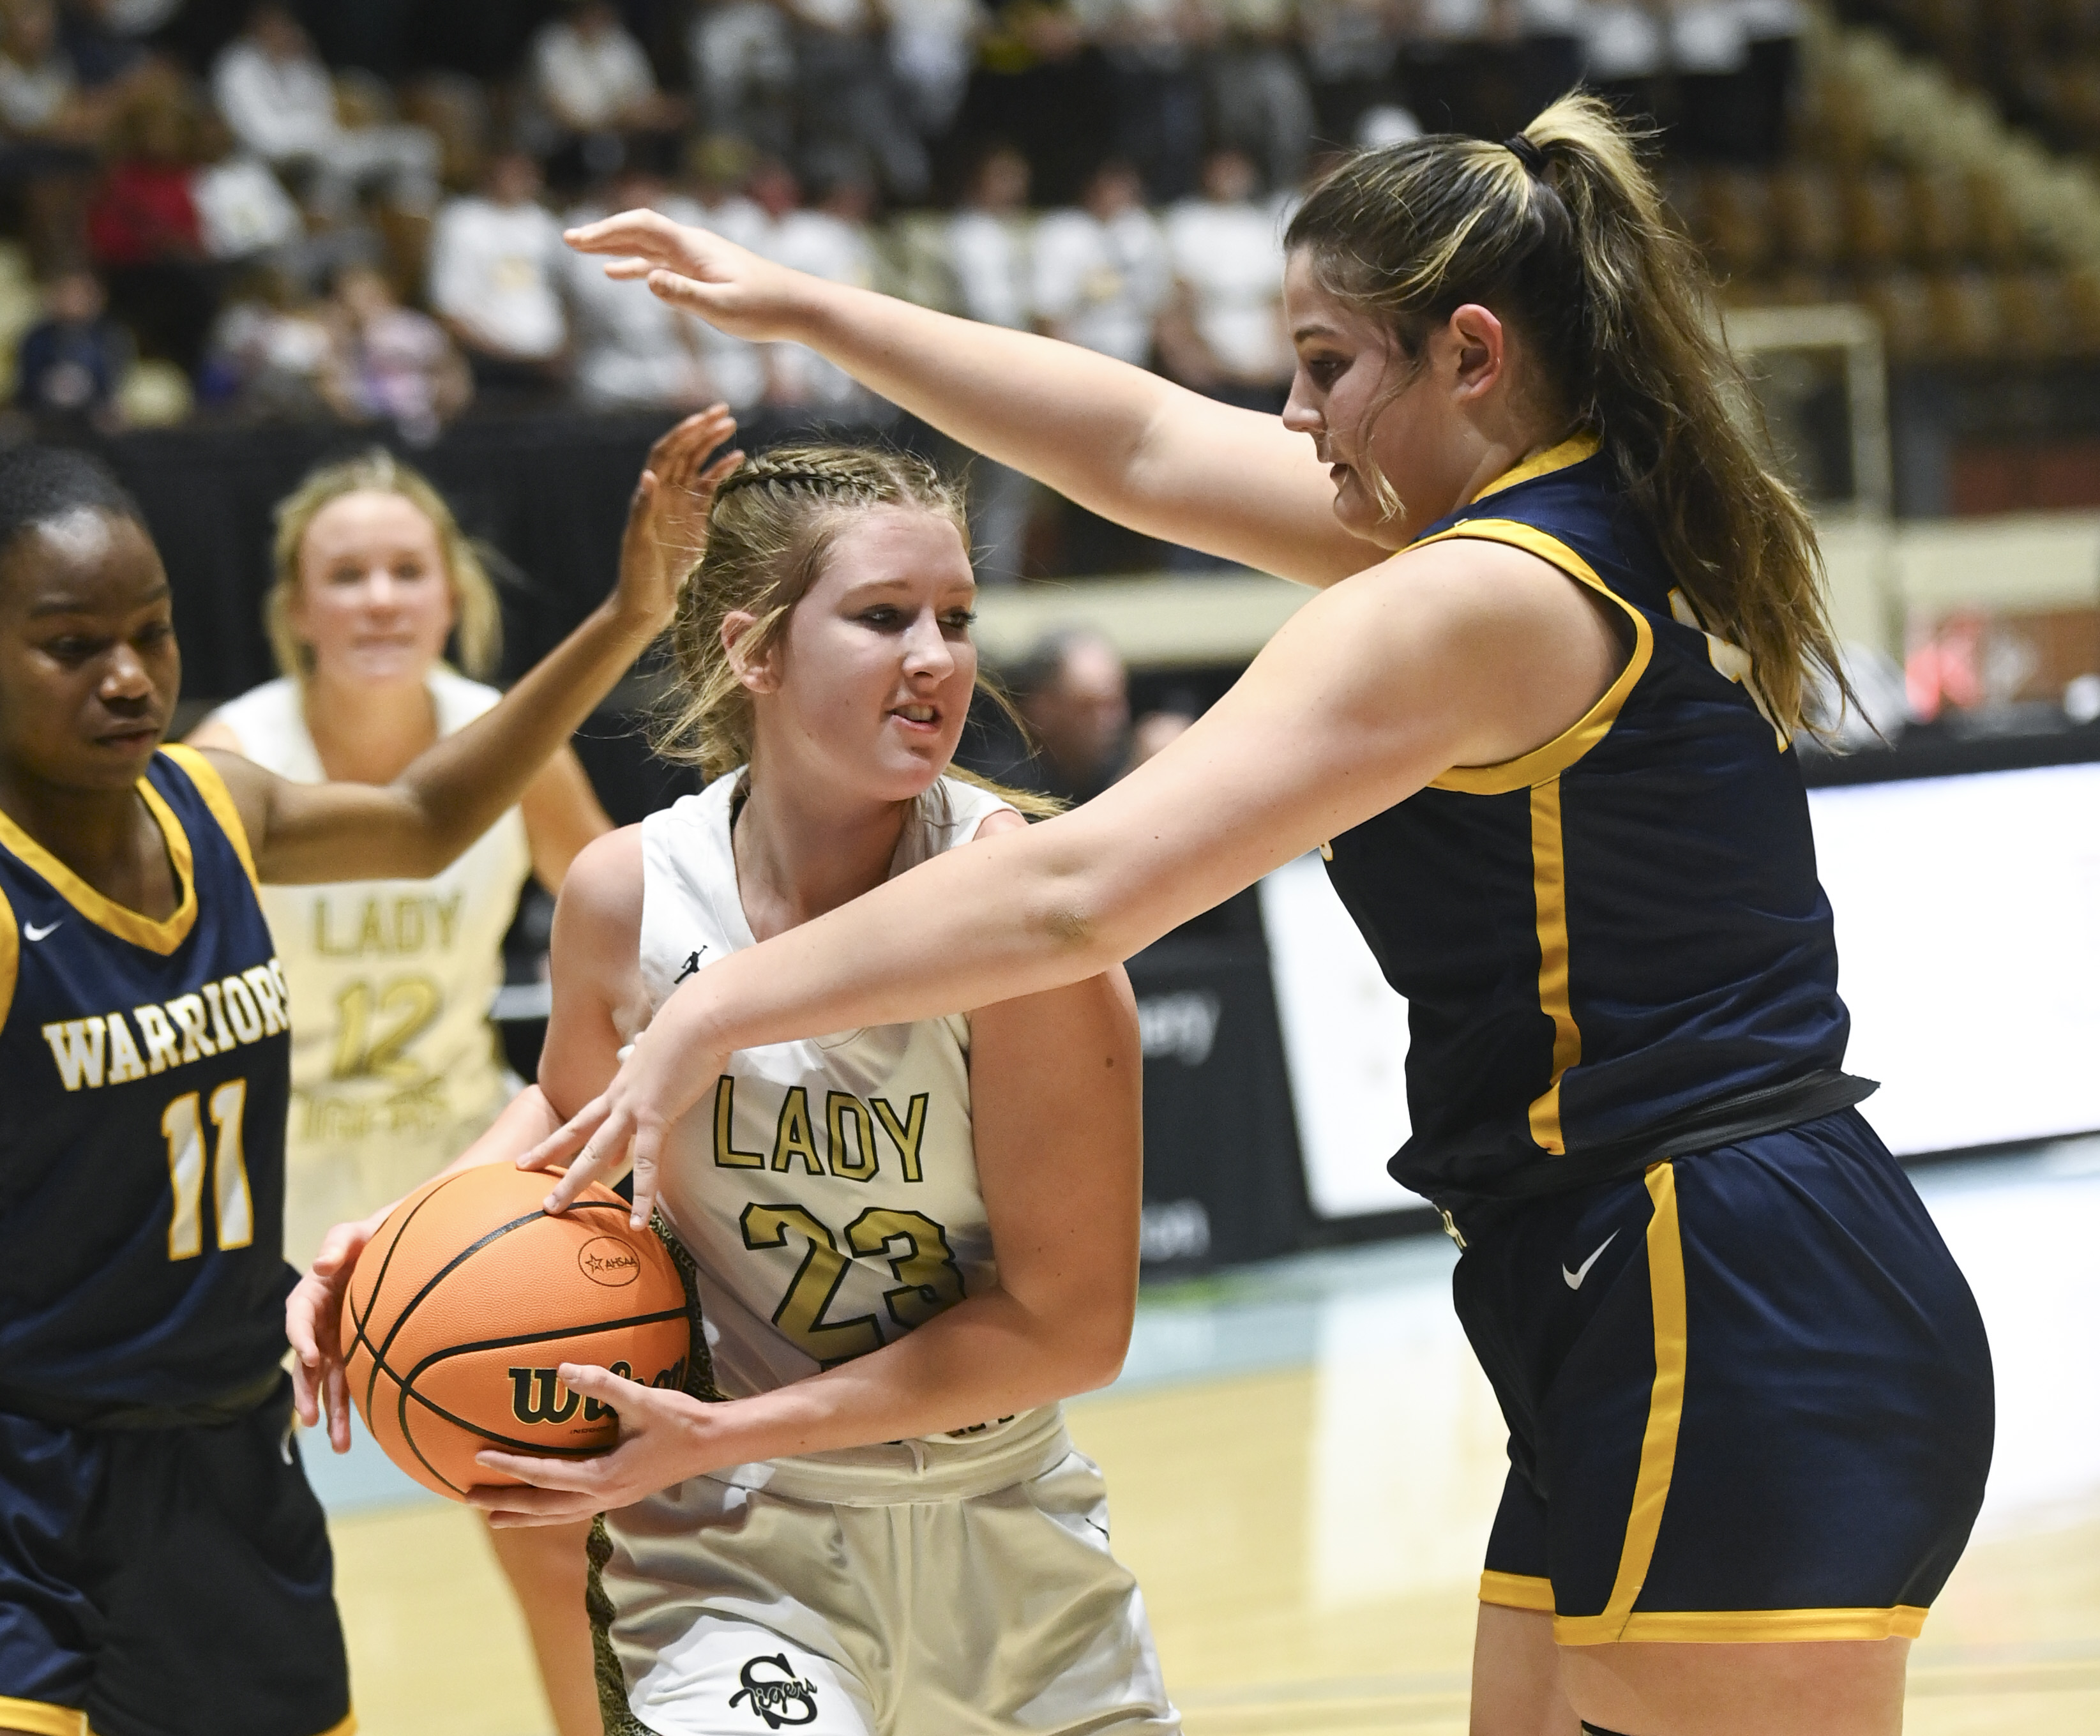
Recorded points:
(469, 1299)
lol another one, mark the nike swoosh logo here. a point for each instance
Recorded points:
(1576, 1277)
(35, 933)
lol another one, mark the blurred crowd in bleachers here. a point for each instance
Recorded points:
(352, 208)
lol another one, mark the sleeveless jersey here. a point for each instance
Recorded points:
(1615, 947)
(391, 979)
(142, 1154)
(827, 1189)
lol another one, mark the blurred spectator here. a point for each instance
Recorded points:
(1101, 271)
(1734, 63)
(71, 363)
(495, 259)
(271, 350)
(932, 43)
(281, 104)
(1223, 334)
(1042, 82)
(41, 99)
(830, 241)
(847, 113)
(1259, 101)
(107, 39)
(142, 229)
(742, 58)
(242, 209)
(1073, 692)
(1351, 48)
(1624, 54)
(1156, 86)
(632, 350)
(1155, 729)
(391, 363)
(988, 251)
(598, 86)
(716, 168)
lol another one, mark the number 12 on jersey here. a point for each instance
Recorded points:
(182, 1123)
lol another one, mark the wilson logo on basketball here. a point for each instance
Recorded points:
(606, 1260)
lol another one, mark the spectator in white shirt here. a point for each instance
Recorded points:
(1224, 334)
(716, 169)
(632, 351)
(932, 43)
(496, 260)
(1101, 273)
(743, 57)
(830, 240)
(846, 108)
(596, 85)
(989, 253)
(280, 103)
(243, 210)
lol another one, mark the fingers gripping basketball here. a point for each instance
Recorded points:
(468, 1300)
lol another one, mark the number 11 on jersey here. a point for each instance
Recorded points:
(182, 1123)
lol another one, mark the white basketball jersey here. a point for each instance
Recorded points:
(390, 980)
(827, 1189)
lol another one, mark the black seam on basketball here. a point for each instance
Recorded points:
(379, 1351)
(358, 1335)
(406, 1388)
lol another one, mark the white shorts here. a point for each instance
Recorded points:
(957, 1593)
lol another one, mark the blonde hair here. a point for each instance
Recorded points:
(478, 627)
(773, 523)
(1569, 242)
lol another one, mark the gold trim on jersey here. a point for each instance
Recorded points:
(1573, 449)
(205, 777)
(1658, 1453)
(10, 957)
(1549, 884)
(41, 1718)
(163, 937)
(1517, 1591)
(1549, 761)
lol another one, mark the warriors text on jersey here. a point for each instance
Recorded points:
(828, 1189)
(142, 1153)
(1613, 948)
(391, 979)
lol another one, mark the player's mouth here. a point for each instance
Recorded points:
(132, 738)
(925, 719)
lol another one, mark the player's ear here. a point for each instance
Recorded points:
(756, 666)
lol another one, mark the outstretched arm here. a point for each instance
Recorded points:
(1121, 442)
(1457, 653)
(452, 793)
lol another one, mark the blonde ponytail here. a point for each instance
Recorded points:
(1563, 233)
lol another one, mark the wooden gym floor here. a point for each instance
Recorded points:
(1302, 1460)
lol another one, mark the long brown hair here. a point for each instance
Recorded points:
(773, 523)
(1573, 247)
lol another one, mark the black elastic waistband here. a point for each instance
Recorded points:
(1723, 1121)
(201, 1414)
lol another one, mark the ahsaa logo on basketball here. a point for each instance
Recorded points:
(606, 1260)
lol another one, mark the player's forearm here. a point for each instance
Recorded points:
(455, 790)
(1073, 418)
(986, 1359)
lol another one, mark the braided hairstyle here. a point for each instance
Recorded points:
(774, 521)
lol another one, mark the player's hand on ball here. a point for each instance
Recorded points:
(313, 1321)
(658, 1446)
(730, 287)
(667, 519)
(626, 1123)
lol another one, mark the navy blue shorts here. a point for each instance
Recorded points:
(1748, 1395)
(165, 1582)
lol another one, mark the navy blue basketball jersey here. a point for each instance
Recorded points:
(142, 1153)
(1615, 947)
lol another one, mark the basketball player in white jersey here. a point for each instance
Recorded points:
(912, 1242)
(395, 1069)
